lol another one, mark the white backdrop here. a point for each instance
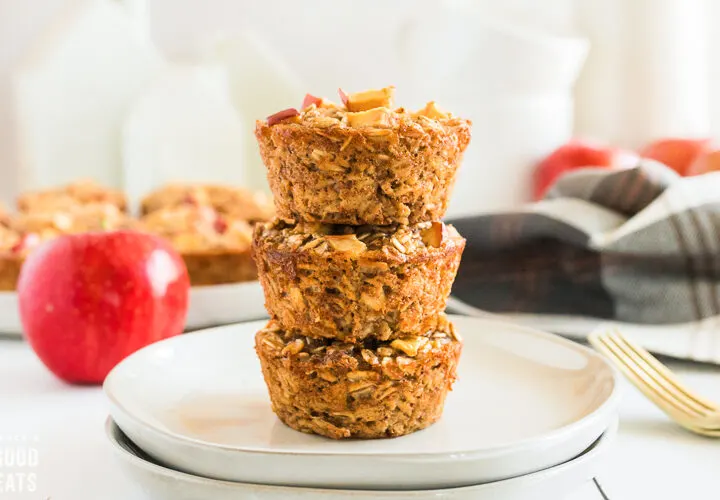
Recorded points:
(359, 46)
(650, 69)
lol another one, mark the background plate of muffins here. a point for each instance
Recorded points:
(210, 226)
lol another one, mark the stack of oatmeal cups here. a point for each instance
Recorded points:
(357, 267)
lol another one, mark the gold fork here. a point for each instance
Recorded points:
(659, 384)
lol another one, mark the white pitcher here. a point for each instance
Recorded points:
(514, 82)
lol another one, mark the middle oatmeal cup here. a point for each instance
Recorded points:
(362, 162)
(356, 282)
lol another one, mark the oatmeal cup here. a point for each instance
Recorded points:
(13, 250)
(356, 282)
(232, 201)
(27, 230)
(74, 219)
(216, 248)
(363, 162)
(64, 197)
(365, 390)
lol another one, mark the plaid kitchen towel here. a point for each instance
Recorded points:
(636, 248)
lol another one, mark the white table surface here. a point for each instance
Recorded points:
(651, 458)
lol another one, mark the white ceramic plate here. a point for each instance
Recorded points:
(10, 324)
(224, 304)
(524, 401)
(162, 483)
(209, 306)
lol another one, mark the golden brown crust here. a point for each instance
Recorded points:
(11, 259)
(364, 390)
(384, 282)
(77, 193)
(233, 201)
(10, 266)
(321, 168)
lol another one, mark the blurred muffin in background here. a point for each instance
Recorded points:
(27, 230)
(233, 201)
(81, 192)
(216, 247)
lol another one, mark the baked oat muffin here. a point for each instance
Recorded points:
(74, 219)
(27, 231)
(364, 162)
(13, 250)
(356, 282)
(364, 390)
(228, 200)
(77, 193)
(216, 248)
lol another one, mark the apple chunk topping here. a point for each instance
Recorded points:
(282, 115)
(435, 234)
(378, 117)
(432, 111)
(346, 243)
(369, 99)
(310, 100)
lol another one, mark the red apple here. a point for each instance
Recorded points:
(677, 154)
(89, 300)
(706, 162)
(572, 156)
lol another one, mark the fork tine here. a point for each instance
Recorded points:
(665, 401)
(667, 375)
(680, 394)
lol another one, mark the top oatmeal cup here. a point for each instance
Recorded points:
(363, 161)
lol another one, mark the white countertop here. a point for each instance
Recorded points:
(652, 458)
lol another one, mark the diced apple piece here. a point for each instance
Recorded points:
(282, 115)
(378, 117)
(220, 225)
(370, 99)
(27, 242)
(432, 111)
(310, 100)
(677, 154)
(346, 243)
(343, 97)
(435, 234)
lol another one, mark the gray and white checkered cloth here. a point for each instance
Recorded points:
(636, 248)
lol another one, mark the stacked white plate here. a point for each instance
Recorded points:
(530, 417)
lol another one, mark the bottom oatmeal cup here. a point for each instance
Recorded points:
(366, 390)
